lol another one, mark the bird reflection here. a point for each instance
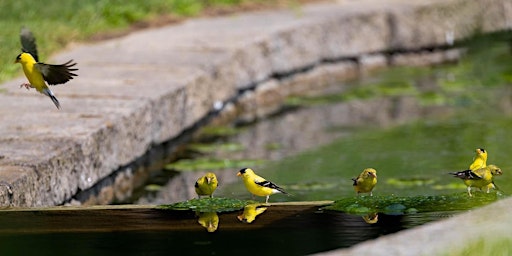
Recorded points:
(251, 211)
(209, 220)
(371, 218)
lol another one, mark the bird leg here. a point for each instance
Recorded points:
(27, 85)
(266, 200)
(469, 191)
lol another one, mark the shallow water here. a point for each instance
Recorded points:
(414, 125)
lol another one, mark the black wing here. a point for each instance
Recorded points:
(355, 181)
(466, 175)
(28, 42)
(196, 185)
(57, 74)
(271, 185)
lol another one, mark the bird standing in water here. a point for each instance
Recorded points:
(366, 181)
(478, 178)
(480, 159)
(206, 185)
(257, 185)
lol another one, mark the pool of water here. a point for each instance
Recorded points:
(414, 125)
(147, 231)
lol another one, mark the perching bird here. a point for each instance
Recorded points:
(480, 159)
(366, 181)
(37, 72)
(206, 185)
(250, 212)
(257, 185)
(478, 178)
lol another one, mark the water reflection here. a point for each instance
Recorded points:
(209, 220)
(371, 218)
(251, 211)
(152, 231)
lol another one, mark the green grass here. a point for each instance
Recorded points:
(57, 23)
(498, 246)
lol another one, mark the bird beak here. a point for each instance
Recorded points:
(208, 180)
(238, 174)
(372, 174)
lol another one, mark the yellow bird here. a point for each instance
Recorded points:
(209, 220)
(480, 159)
(371, 218)
(478, 178)
(257, 185)
(250, 212)
(366, 181)
(37, 72)
(206, 185)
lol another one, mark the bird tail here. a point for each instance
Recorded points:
(282, 191)
(50, 94)
(496, 186)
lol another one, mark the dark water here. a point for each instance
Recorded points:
(158, 232)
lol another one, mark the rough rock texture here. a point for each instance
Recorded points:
(146, 88)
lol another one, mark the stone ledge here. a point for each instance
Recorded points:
(148, 87)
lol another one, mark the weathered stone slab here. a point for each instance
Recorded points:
(148, 87)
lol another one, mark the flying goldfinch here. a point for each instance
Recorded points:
(206, 185)
(209, 220)
(478, 178)
(257, 185)
(250, 212)
(366, 181)
(37, 72)
(480, 159)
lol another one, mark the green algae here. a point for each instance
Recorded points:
(206, 204)
(215, 147)
(402, 205)
(211, 164)
(218, 131)
(410, 181)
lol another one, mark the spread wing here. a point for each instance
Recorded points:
(466, 175)
(57, 74)
(271, 185)
(28, 43)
